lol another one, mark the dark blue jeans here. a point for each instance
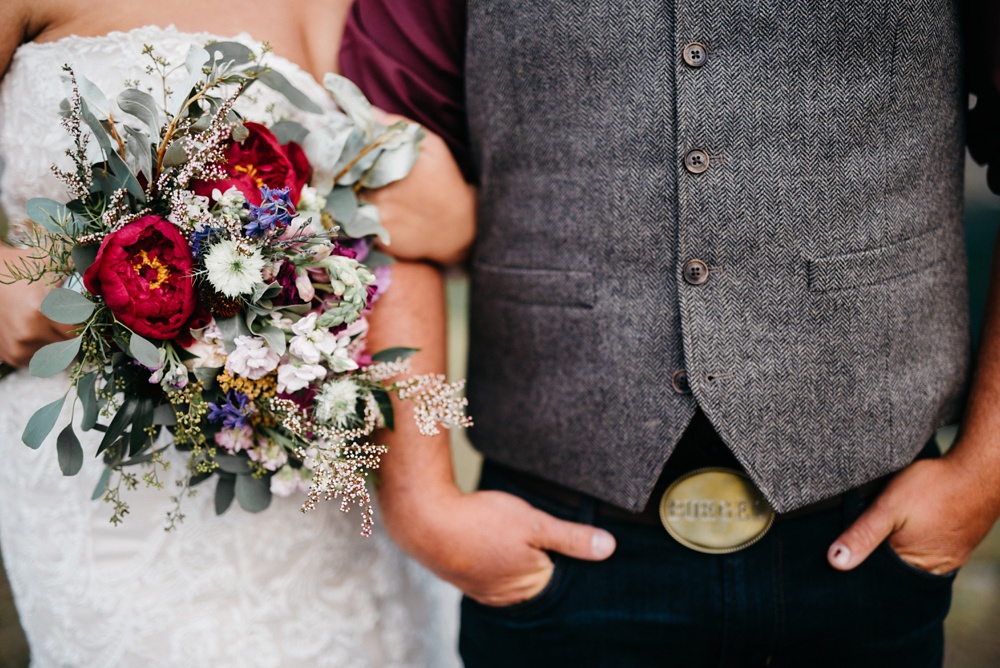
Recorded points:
(656, 603)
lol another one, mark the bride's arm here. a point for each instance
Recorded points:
(24, 328)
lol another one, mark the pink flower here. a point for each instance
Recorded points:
(252, 359)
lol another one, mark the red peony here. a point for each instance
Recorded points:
(260, 161)
(144, 273)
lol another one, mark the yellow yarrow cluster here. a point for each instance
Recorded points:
(264, 388)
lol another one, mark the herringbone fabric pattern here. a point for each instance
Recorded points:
(830, 338)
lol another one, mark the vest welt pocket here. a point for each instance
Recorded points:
(534, 286)
(877, 265)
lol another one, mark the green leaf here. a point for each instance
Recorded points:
(121, 176)
(275, 338)
(93, 96)
(231, 52)
(145, 352)
(139, 151)
(394, 354)
(174, 155)
(141, 105)
(276, 81)
(225, 492)
(68, 307)
(83, 257)
(141, 421)
(41, 423)
(119, 423)
(86, 390)
(230, 328)
(253, 494)
(379, 259)
(102, 485)
(385, 407)
(54, 358)
(70, 452)
(144, 458)
(342, 204)
(196, 59)
(233, 464)
(289, 131)
(239, 133)
(51, 215)
(350, 98)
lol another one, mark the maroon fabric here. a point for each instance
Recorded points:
(407, 56)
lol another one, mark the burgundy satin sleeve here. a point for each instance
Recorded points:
(407, 57)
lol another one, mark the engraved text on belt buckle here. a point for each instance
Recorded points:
(715, 510)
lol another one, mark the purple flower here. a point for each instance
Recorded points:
(289, 292)
(200, 237)
(275, 212)
(383, 278)
(234, 413)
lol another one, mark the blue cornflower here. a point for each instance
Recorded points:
(275, 211)
(200, 237)
(234, 413)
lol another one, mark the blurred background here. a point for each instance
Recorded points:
(973, 640)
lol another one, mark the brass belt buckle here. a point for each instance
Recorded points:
(715, 510)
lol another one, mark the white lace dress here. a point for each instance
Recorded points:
(277, 589)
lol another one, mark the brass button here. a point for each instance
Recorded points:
(696, 161)
(695, 54)
(695, 272)
(680, 382)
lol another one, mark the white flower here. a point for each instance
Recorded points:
(234, 440)
(311, 200)
(312, 343)
(293, 378)
(304, 285)
(231, 270)
(288, 481)
(252, 358)
(194, 207)
(208, 348)
(231, 199)
(337, 403)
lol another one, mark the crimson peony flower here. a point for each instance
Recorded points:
(259, 160)
(143, 272)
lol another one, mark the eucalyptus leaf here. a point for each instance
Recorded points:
(70, 451)
(231, 52)
(196, 59)
(394, 354)
(334, 145)
(144, 351)
(51, 215)
(350, 98)
(97, 128)
(67, 307)
(342, 204)
(239, 133)
(84, 256)
(119, 423)
(379, 259)
(41, 423)
(102, 485)
(139, 151)
(366, 223)
(253, 494)
(276, 81)
(225, 492)
(141, 105)
(397, 159)
(54, 358)
(86, 390)
(289, 131)
(207, 376)
(174, 155)
(92, 96)
(165, 415)
(122, 177)
(233, 464)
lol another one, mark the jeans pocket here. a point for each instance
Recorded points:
(546, 598)
(903, 566)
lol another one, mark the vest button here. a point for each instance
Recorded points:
(695, 272)
(680, 382)
(696, 161)
(695, 54)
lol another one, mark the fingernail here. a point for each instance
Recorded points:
(602, 544)
(840, 555)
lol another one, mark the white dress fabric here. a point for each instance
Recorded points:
(275, 589)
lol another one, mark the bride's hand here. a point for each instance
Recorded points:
(430, 214)
(24, 329)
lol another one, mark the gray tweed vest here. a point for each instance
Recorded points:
(807, 152)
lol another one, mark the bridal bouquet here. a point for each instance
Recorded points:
(218, 273)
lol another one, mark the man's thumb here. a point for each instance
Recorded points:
(861, 538)
(579, 541)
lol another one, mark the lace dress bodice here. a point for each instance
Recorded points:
(276, 589)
